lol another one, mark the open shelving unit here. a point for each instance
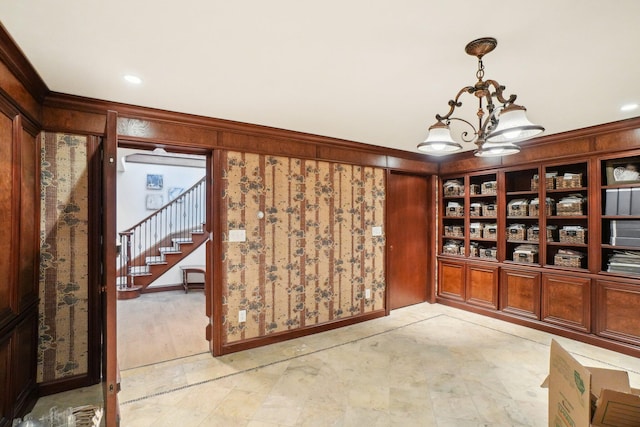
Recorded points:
(554, 234)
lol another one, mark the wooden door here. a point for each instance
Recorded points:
(410, 213)
(109, 299)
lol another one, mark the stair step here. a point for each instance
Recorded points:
(182, 240)
(155, 260)
(140, 270)
(169, 250)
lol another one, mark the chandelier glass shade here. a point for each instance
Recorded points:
(439, 139)
(501, 123)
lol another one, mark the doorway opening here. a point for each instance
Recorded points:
(161, 220)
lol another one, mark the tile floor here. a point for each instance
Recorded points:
(424, 365)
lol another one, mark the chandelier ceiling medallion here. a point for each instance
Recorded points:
(505, 122)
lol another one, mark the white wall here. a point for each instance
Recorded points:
(131, 200)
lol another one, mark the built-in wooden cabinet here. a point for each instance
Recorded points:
(482, 285)
(520, 292)
(566, 301)
(617, 305)
(451, 275)
(559, 248)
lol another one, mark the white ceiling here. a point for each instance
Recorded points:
(371, 71)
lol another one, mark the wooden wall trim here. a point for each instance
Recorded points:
(584, 337)
(297, 333)
(15, 60)
(78, 114)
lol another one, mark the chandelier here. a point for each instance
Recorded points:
(505, 122)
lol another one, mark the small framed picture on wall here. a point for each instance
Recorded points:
(154, 201)
(175, 192)
(154, 182)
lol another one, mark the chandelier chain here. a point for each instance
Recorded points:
(480, 72)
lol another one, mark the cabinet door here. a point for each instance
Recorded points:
(566, 301)
(482, 285)
(520, 293)
(451, 280)
(618, 305)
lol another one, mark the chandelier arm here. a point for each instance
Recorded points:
(499, 93)
(454, 103)
(464, 134)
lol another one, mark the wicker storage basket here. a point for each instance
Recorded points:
(475, 209)
(488, 253)
(570, 234)
(474, 250)
(474, 189)
(569, 206)
(567, 258)
(533, 233)
(475, 230)
(490, 231)
(534, 207)
(535, 183)
(490, 210)
(518, 207)
(550, 180)
(569, 180)
(525, 254)
(451, 248)
(454, 211)
(453, 231)
(516, 232)
(453, 187)
(489, 187)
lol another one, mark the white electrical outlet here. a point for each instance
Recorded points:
(237, 235)
(242, 316)
(367, 293)
(376, 231)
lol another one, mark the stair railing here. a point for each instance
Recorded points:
(165, 228)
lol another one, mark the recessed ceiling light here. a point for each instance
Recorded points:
(628, 107)
(133, 79)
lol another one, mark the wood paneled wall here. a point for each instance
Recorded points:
(19, 192)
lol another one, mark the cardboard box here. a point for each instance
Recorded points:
(584, 396)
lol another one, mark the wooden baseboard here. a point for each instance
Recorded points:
(297, 333)
(588, 338)
(166, 288)
(65, 384)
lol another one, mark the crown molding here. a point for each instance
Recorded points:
(16, 61)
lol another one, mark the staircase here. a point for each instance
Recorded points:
(157, 243)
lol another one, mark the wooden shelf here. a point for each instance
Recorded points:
(620, 248)
(572, 245)
(567, 190)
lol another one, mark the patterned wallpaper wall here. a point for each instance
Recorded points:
(63, 309)
(311, 257)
